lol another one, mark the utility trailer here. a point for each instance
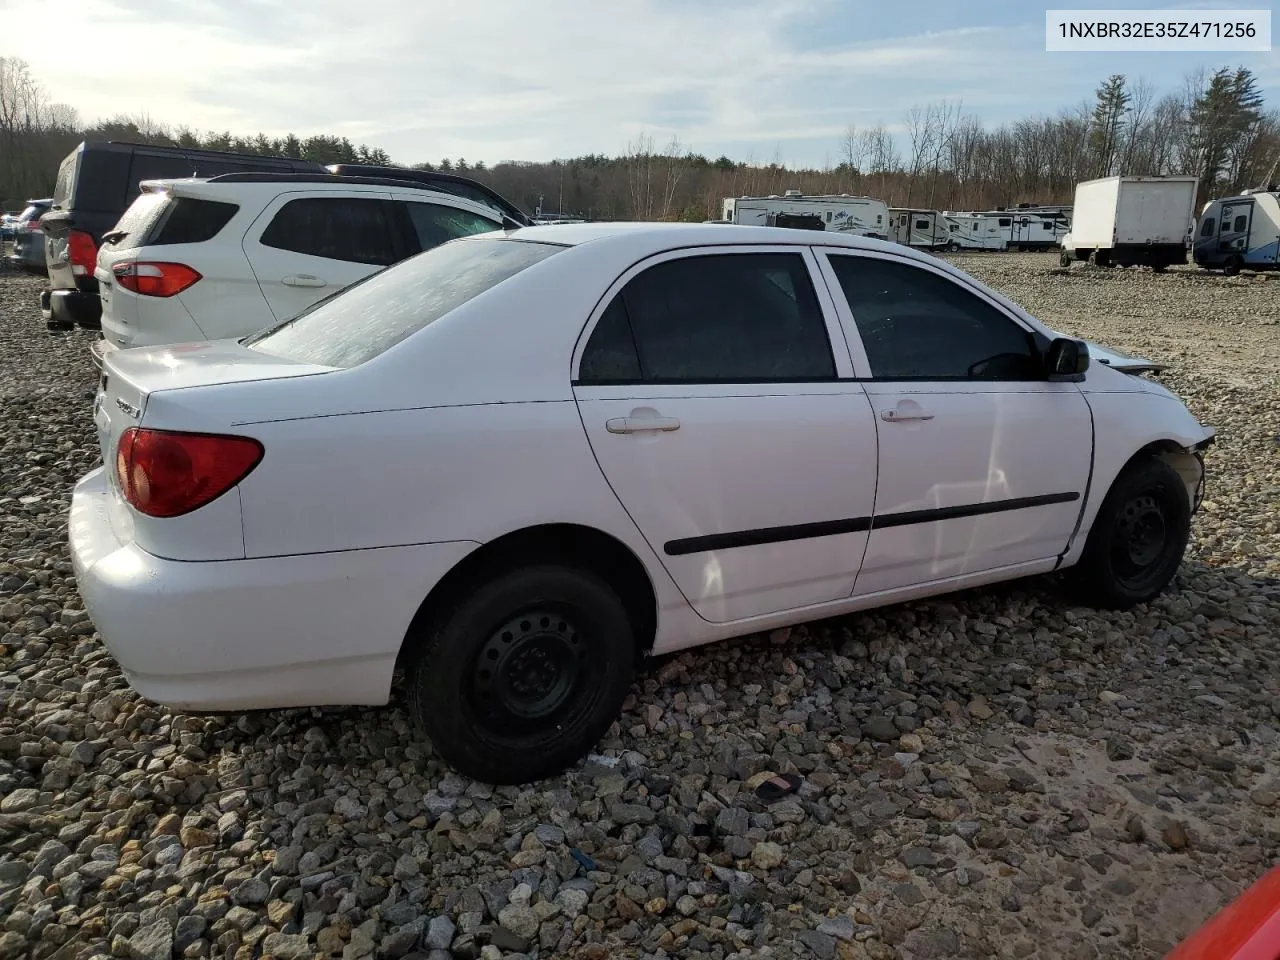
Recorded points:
(1131, 221)
(861, 216)
(1240, 231)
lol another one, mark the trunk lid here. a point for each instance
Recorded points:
(130, 377)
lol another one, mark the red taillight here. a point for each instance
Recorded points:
(167, 474)
(82, 252)
(154, 279)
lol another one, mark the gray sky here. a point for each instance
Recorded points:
(496, 80)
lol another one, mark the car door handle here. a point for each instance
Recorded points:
(303, 280)
(641, 424)
(901, 416)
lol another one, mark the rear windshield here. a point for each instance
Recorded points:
(66, 180)
(373, 315)
(142, 213)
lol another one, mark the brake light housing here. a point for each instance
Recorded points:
(154, 279)
(82, 252)
(167, 473)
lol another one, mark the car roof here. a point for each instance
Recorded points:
(265, 189)
(665, 236)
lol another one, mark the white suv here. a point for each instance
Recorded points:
(209, 258)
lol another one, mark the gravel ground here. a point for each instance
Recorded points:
(991, 774)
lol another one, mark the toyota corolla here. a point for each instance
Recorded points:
(515, 465)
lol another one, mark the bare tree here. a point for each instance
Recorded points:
(673, 169)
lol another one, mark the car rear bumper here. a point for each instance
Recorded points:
(100, 349)
(310, 630)
(76, 306)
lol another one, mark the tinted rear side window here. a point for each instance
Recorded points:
(188, 220)
(354, 229)
(725, 318)
(376, 313)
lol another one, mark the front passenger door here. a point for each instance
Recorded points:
(984, 463)
(723, 419)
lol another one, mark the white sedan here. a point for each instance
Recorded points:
(515, 465)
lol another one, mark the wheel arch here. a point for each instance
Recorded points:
(567, 543)
(1187, 463)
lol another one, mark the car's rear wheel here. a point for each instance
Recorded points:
(525, 674)
(1137, 540)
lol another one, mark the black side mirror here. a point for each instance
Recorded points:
(1067, 359)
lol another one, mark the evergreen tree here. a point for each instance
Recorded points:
(1107, 124)
(1223, 121)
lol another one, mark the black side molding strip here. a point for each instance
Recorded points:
(831, 528)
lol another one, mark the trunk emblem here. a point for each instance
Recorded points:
(128, 408)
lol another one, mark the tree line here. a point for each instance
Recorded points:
(1215, 126)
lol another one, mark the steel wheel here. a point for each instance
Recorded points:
(527, 670)
(1140, 539)
(524, 674)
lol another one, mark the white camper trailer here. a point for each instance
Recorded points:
(861, 216)
(1028, 227)
(1240, 231)
(975, 231)
(1126, 221)
(925, 229)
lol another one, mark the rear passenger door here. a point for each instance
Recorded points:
(434, 221)
(710, 387)
(306, 246)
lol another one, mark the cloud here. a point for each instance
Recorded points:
(505, 79)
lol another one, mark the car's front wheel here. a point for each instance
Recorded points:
(1137, 540)
(525, 674)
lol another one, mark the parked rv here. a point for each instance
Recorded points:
(1028, 227)
(923, 229)
(860, 216)
(1128, 221)
(1240, 231)
(975, 231)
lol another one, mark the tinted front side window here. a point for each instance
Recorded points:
(374, 314)
(726, 318)
(916, 324)
(354, 229)
(435, 224)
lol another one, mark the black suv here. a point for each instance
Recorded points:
(96, 184)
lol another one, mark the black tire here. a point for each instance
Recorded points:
(1065, 259)
(563, 653)
(1102, 258)
(1233, 266)
(1137, 540)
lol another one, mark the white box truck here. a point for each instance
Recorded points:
(1131, 221)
